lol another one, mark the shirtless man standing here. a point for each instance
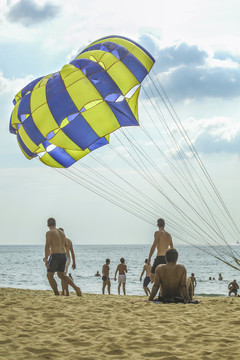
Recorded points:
(147, 278)
(55, 247)
(162, 241)
(68, 249)
(122, 269)
(171, 277)
(105, 277)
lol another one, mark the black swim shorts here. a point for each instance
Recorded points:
(146, 281)
(57, 262)
(104, 278)
(158, 261)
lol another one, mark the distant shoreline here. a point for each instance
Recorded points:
(87, 293)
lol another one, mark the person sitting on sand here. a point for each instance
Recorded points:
(105, 277)
(147, 267)
(56, 245)
(194, 281)
(233, 288)
(122, 269)
(220, 278)
(69, 250)
(162, 241)
(171, 279)
(97, 274)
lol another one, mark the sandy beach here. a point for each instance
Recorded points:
(38, 325)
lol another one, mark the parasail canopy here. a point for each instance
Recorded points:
(63, 116)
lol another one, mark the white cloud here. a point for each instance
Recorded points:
(29, 13)
(214, 135)
(13, 86)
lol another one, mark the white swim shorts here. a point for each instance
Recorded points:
(68, 262)
(121, 279)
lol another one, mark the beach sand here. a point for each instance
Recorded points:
(39, 325)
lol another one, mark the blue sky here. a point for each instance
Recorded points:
(195, 45)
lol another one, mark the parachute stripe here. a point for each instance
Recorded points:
(32, 131)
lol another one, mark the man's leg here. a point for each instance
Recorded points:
(52, 282)
(124, 289)
(69, 281)
(103, 287)
(146, 290)
(119, 286)
(109, 286)
(64, 287)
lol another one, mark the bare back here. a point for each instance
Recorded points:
(56, 240)
(105, 270)
(163, 241)
(172, 279)
(122, 268)
(148, 268)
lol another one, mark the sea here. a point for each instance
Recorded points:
(22, 267)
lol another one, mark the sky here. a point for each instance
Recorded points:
(196, 47)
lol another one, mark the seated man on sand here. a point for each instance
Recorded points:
(171, 279)
(233, 288)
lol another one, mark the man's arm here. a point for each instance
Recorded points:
(152, 248)
(156, 285)
(183, 286)
(126, 268)
(72, 254)
(115, 276)
(144, 268)
(47, 248)
(171, 242)
(103, 270)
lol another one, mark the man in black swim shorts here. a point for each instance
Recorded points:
(55, 249)
(105, 277)
(163, 242)
(57, 262)
(158, 261)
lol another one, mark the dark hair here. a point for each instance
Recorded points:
(122, 260)
(107, 261)
(51, 222)
(60, 229)
(146, 260)
(161, 223)
(192, 274)
(171, 255)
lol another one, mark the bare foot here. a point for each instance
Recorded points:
(78, 292)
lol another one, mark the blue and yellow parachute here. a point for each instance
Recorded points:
(63, 116)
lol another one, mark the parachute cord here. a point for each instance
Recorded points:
(204, 202)
(193, 150)
(87, 186)
(181, 212)
(156, 168)
(180, 151)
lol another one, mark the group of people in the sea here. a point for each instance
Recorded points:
(168, 277)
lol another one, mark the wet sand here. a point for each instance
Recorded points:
(39, 325)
